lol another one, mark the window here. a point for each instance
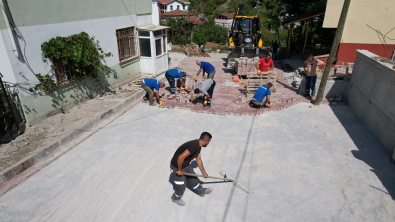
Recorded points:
(126, 43)
(145, 47)
(158, 45)
(164, 44)
(144, 33)
(63, 73)
(217, 23)
(171, 8)
(157, 32)
(183, 7)
(178, 6)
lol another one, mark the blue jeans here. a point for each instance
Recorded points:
(171, 81)
(310, 83)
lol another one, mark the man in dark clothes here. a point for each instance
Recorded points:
(275, 47)
(180, 164)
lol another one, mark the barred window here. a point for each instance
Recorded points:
(126, 43)
(63, 73)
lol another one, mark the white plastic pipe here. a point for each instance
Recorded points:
(7, 23)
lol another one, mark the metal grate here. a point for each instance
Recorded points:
(126, 43)
(8, 123)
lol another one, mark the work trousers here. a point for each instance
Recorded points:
(211, 75)
(274, 54)
(256, 103)
(210, 92)
(310, 83)
(181, 181)
(149, 93)
(172, 82)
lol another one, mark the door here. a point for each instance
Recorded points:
(161, 55)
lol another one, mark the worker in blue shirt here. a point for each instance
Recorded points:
(206, 67)
(262, 97)
(151, 85)
(171, 74)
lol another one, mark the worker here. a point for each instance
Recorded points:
(205, 67)
(265, 65)
(311, 67)
(275, 46)
(180, 164)
(151, 85)
(207, 88)
(262, 97)
(171, 74)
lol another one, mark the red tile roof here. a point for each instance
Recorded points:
(167, 1)
(229, 15)
(196, 20)
(176, 12)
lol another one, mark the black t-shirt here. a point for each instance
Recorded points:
(192, 147)
(275, 46)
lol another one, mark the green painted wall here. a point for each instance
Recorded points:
(41, 12)
(44, 107)
(2, 23)
(143, 7)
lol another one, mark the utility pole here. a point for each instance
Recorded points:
(393, 55)
(335, 45)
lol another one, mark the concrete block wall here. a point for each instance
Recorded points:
(371, 95)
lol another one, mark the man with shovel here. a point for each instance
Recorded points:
(180, 164)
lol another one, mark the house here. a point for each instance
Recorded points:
(196, 20)
(174, 14)
(225, 20)
(129, 30)
(171, 5)
(365, 21)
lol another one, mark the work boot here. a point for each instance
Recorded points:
(207, 107)
(178, 201)
(206, 191)
(152, 104)
(145, 98)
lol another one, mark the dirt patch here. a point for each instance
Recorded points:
(52, 129)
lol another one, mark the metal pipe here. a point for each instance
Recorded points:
(332, 54)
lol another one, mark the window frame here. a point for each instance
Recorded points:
(131, 38)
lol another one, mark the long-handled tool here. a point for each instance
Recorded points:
(225, 177)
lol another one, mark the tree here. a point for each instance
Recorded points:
(199, 38)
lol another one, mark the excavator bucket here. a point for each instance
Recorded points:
(237, 52)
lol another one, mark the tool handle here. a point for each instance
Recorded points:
(197, 175)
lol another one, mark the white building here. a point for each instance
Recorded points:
(130, 32)
(170, 5)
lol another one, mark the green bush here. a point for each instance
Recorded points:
(199, 38)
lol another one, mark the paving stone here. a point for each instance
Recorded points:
(230, 100)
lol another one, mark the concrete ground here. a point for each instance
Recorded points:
(302, 164)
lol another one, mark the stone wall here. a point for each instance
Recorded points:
(371, 95)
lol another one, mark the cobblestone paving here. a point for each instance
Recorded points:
(227, 99)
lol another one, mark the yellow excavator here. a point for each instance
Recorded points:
(245, 37)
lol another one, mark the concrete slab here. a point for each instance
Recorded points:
(303, 164)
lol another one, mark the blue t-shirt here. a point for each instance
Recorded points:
(175, 73)
(207, 67)
(152, 83)
(261, 93)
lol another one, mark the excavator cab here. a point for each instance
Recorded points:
(245, 37)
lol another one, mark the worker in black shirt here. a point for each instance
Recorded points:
(180, 164)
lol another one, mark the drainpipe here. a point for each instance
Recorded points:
(7, 23)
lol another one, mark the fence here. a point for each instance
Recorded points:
(11, 122)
